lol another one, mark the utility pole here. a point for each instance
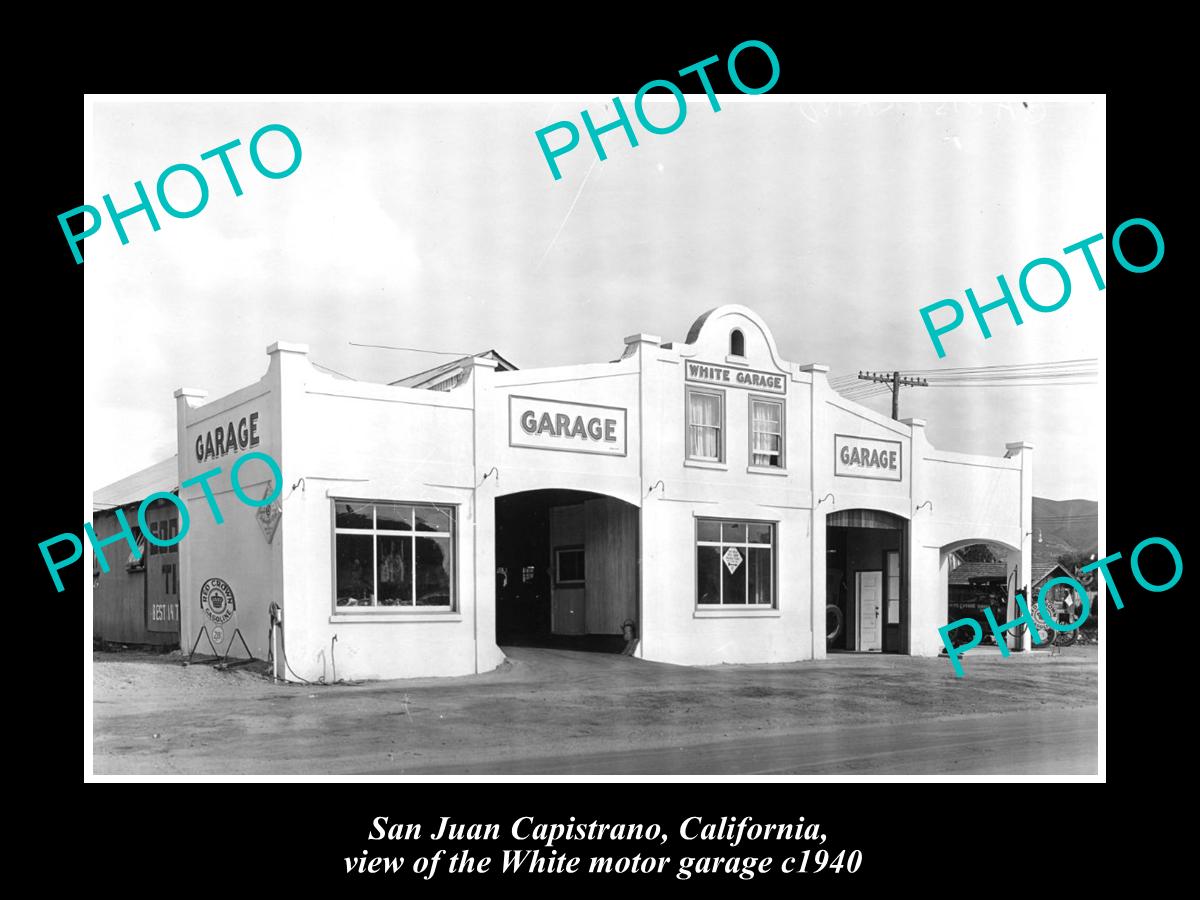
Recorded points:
(896, 380)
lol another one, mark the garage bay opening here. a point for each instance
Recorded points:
(980, 577)
(566, 570)
(866, 581)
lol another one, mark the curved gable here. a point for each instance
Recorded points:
(710, 338)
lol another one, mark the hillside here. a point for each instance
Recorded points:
(1065, 526)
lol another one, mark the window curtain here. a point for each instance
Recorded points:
(704, 414)
(767, 434)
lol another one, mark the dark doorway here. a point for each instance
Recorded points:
(978, 580)
(866, 581)
(566, 570)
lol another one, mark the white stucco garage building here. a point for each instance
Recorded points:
(707, 496)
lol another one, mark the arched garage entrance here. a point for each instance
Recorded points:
(981, 575)
(866, 578)
(566, 570)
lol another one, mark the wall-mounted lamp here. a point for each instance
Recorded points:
(828, 496)
(657, 484)
(490, 472)
(928, 503)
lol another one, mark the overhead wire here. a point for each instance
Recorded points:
(409, 349)
(1015, 376)
(1067, 371)
(1018, 384)
(1006, 366)
(334, 371)
(1010, 376)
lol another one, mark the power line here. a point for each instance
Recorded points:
(334, 371)
(1015, 376)
(1051, 373)
(876, 391)
(1018, 384)
(1031, 372)
(867, 388)
(896, 380)
(409, 349)
(1008, 366)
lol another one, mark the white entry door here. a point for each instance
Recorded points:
(869, 591)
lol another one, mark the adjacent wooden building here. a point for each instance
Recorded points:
(137, 600)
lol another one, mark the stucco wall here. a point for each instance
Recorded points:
(679, 490)
(235, 550)
(344, 439)
(376, 442)
(607, 386)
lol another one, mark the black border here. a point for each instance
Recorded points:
(1148, 360)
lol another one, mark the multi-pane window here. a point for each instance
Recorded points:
(735, 563)
(390, 555)
(893, 587)
(705, 418)
(766, 433)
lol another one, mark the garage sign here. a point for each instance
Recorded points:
(725, 376)
(558, 425)
(859, 457)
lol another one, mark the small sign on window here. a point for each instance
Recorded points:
(733, 559)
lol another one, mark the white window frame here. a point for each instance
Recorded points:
(782, 457)
(744, 546)
(375, 532)
(688, 426)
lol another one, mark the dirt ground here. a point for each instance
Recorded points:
(153, 716)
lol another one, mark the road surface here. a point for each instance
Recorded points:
(552, 711)
(1037, 742)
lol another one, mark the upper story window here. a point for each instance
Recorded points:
(766, 433)
(705, 425)
(389, 555)
(737, 343)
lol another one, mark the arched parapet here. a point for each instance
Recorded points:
(719, 332)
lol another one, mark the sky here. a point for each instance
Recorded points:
(436, 224)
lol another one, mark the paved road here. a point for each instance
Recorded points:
(1036, 742)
